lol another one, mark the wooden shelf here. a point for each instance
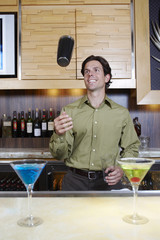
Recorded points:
(24, 142)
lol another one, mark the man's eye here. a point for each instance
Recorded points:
(86, 72)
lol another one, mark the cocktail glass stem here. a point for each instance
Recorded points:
(135, 194)
(29, 192)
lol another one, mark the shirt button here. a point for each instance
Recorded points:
(96, 110)
(95, 122)
(92, 164)
(93, 150)
(95, 136)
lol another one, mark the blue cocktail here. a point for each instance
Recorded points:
(29, 171)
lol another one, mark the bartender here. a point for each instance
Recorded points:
(92, 128)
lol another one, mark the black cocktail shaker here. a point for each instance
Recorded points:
(65, 48)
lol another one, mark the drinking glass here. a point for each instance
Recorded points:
(144, 142)
(135, 169)
(29, 170)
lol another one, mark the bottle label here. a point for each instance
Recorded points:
(50, 126)
(44, 126)
(15, 126)
(37, 132)
(29, 127)
(22, 126)
(7, 124)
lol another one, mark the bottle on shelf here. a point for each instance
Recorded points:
(37, 125)
(22, 125)
(6, 126)
(137, 126)
(50, 123)
(29, 124)
(44, 124)
(14, 125)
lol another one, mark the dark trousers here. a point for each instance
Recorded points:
(76, 182)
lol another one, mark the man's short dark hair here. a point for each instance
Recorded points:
(104, 63)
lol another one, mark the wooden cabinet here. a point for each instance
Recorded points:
(71, 2)
(103, 29)
(99, 30)
(8, 2)
(42, 26)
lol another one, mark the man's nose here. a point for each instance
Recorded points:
(90, 72)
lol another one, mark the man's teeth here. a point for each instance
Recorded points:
(92, 80)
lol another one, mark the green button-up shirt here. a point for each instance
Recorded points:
(96, 133)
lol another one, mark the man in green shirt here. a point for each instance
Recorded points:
(92, 128)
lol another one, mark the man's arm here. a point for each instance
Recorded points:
(61, 142)
(129, 142)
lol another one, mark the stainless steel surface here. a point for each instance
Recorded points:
(114, 193)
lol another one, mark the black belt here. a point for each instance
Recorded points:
(92, 175)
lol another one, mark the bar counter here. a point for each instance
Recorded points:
(77, 216)
(11, 153)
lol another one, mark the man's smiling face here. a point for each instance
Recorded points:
(94, 76)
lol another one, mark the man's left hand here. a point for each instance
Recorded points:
(114, 175)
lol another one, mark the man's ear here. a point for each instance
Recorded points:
(107, 78)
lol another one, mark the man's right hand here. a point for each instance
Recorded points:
(62, 124)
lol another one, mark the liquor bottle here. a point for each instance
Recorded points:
(44, 124)
(6, 126)
(14, 125)
(50, 123)
(22, 125)
(137, 126)
(37, 125)
(29, 124)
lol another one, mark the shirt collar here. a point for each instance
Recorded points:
(85, 100)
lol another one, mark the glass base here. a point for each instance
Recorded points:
(30, 222)
(135, 219)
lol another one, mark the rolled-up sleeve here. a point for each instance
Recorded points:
(61, 146)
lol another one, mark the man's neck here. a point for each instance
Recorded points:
(95, 98)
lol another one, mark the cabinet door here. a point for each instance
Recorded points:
(8, 2)
(105, 31)
(42, 26)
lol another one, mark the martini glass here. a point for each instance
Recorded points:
(135, 169)
(29, 170)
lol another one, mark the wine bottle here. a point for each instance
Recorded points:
(29, 124)
(44, 124)
(14, 125)
(37, 125)
(50, 123)
(6, 126)
(22, 125)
